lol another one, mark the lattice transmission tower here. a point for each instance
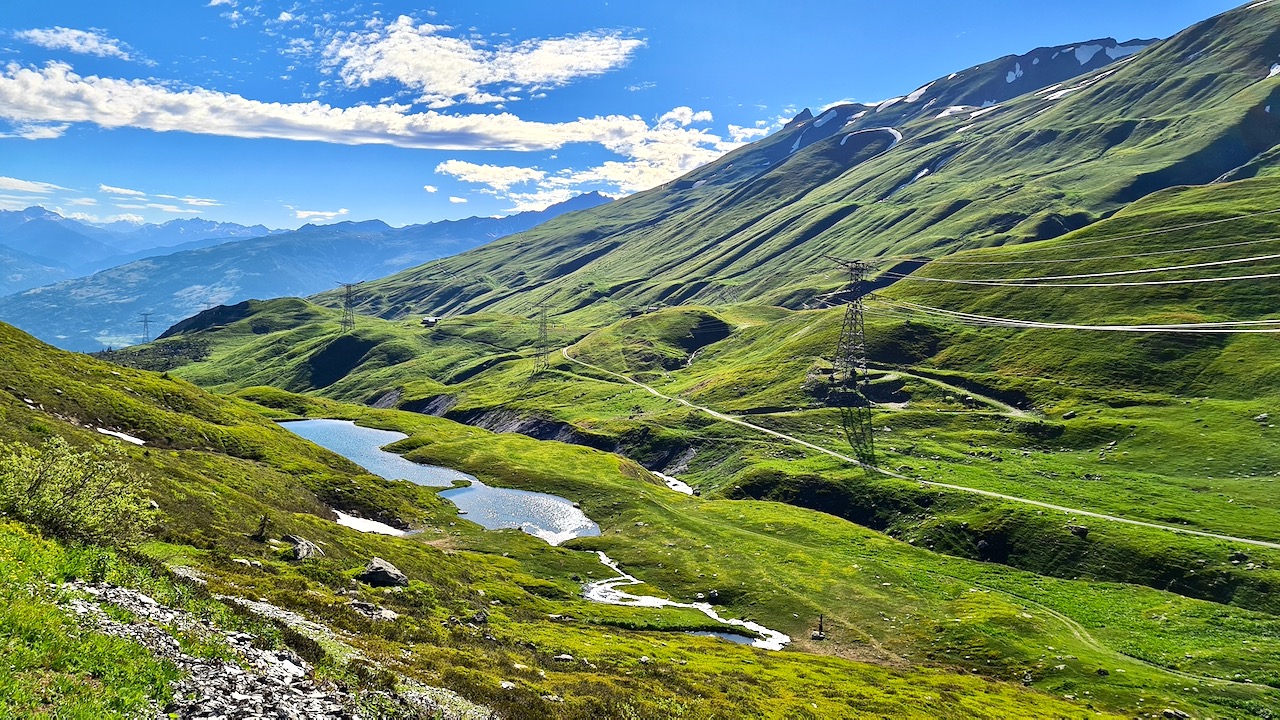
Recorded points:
(349, 307)
(849, 365)
(850, 361)
(540, 363)
(146, 327)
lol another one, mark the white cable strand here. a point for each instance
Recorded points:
(1149, 233)
(990, 283)
(1232, 326)
(1170, 268)
(1180, 251)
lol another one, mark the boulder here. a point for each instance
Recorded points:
(1173, 714)
(303, 549)
(380, 573)
(1079, 531)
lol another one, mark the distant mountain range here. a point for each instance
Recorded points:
(103, 309)
(39, 246)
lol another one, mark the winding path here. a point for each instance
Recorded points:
(960, 488)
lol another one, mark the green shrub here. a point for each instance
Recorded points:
(86, 495)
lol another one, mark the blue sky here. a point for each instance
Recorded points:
(281, 113)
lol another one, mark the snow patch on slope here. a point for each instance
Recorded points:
(1122, 51)
(888, 104)
(1014, 74)
(1085, 53)
(827, 117)
(367, 526)
(123, 436)
(915, 96)
(1275, 70)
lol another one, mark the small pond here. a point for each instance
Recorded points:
(551, 518)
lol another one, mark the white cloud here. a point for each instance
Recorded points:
(192, 201)
(19, 202)
(27, 186)
(97, 220)
(85, 42)
(431, 188)
(166, 207)
(495, 176)
(447, 70)
(82, 202)
(36, 131)
(457, 200)
(539, 200)
(215, 3)
(737, 133)
(317, 214)
(112, 190)
(55, 93)
(649, 154)
(684, 116)
(285, 16)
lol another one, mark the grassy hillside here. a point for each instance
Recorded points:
(215, 465)
(754, 225)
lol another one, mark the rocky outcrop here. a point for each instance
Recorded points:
(380, 573)
(303, 549)
(258, 683)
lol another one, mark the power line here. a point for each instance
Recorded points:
(989, 283)
(1149, 233)
(1179, 251)
(897, 307)
(1114, 273)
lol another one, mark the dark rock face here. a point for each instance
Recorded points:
(380, 573)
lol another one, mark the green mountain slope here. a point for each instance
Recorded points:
(904, 624)
(754, 225)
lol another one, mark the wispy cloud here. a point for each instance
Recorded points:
(35, 131)
(457, 200)
(317, 214)
(28, 186)
(498, 177)
(126, 192)
(447, 69)
(85, 42)
(100, 220)
(192, 201)
(649, 154)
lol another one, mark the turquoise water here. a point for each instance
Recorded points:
(549, 517)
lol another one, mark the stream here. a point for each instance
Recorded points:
(551, 518)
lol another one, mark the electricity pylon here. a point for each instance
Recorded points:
(540, 362)
(349, 307)
(849, 366)
(146, 327)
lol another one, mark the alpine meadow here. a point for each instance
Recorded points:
(607, 380)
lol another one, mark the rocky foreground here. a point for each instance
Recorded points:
(243, 681)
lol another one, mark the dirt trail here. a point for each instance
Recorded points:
(959, 488)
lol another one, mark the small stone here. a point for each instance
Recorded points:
(564, 657)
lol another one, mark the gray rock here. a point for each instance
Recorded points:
(566, 657)
(1079, 531)
(303, 549)
(380, 573)
(1173, 714)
